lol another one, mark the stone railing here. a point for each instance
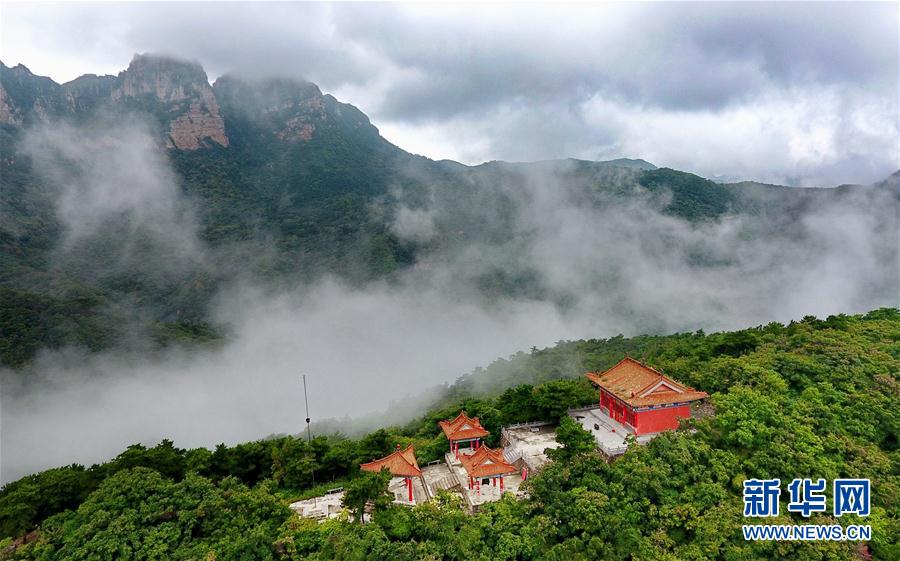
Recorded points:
(580, 409)
(504, 431)
(528, 424)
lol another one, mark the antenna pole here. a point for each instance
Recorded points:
(308, 430)
(306, 400)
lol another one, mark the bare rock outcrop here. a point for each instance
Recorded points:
(191, 130)
(8, 113)
(184, 88)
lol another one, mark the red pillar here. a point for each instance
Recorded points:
(409, 487)
(493, 482)
(501, 483)
(524, 473)
(457, 450)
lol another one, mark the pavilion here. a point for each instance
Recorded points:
(463, 429)
(643, 399)
(486, 464)
(401, 463)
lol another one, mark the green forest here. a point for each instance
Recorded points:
(815, 398)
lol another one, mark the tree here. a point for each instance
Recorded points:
(138, 514)
(574, 439)
(292, 463)
(518, 405)
(808, 399)
(368, 487)
(553, 399)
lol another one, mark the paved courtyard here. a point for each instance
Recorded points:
(439, 477)
(528, 442)
(320, 508)
(609, 433)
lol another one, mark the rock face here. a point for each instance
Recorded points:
(288, 109)
(297, 129)
(175, 96)
(184, 90)
(202, 122)
(166, 79)
(26, 98)
(88, 92)
(8, 114)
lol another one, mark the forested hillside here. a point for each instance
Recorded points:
(815, 398)
(128, 202)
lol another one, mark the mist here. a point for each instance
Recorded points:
(596, 266)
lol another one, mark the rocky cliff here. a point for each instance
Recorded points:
(190, 114)
(183, 90)
(176, 93)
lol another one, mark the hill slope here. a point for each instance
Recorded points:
(812, 397)
(133, 199)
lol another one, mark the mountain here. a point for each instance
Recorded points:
(811, 396)
(132, 199)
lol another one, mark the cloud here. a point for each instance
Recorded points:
(805, 94)
(577, 262)
(414, 224)
(112, 178)
(495, 82)
(809, 137)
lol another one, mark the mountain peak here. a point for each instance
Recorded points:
(289, 109)
(163, 62)
(267, 94)
(190, 112)
(19, 69)
(169, 79)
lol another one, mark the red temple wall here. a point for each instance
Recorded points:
(656, 420)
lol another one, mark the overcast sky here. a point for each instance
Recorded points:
(804, 94)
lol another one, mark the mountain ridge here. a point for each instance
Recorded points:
(201, 124)
(284, 183)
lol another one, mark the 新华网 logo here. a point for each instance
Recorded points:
(805, 497)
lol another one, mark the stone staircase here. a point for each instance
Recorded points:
(439, 478)
(512, 455)
(445, 483)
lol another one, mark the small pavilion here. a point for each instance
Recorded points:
(401, 463)
(463, 429)
(643, 399)
(486, 464)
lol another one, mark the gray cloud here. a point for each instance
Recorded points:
(451, 81)
(112, 173)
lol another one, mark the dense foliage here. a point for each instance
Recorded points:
(816, 398)
(277, 211)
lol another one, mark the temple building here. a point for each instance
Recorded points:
(463, 430)
(486, 466)
(643, 399)
(401, 464)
